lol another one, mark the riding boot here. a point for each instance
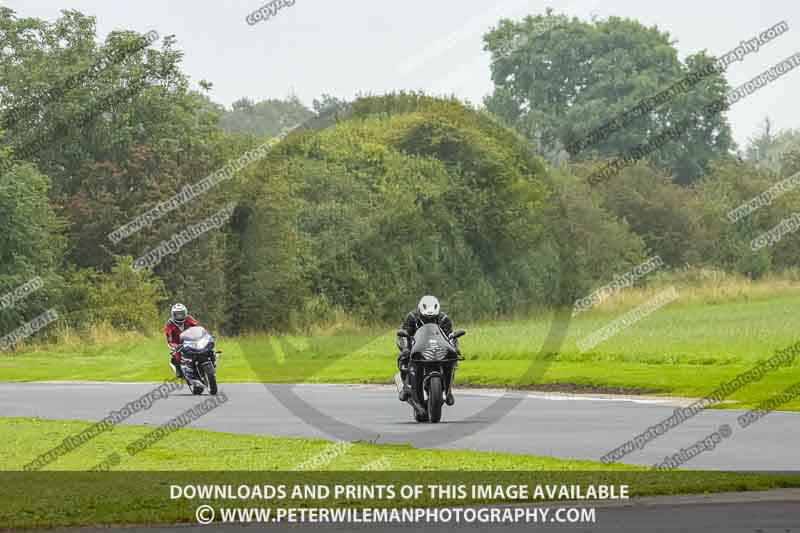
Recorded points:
(405, 394)
(176, 365)
(402, 365)
(449, 398)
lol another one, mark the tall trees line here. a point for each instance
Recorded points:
(397, 195)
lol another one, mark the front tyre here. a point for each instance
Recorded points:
(211, 377)
(435, 399)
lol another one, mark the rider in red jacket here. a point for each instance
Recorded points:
(179, 322)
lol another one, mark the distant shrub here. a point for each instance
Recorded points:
(124, 299)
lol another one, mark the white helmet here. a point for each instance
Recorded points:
(428, 307)
(179, 314)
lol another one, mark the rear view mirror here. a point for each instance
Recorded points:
(459, 333)
(402, 333)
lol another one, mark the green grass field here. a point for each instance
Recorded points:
(27, 438)
(67, 495)
(687, 348)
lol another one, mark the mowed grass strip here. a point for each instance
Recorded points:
(27, 438)
(137, 489)
(687, 348)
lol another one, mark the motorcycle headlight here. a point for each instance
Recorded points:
(434, 353)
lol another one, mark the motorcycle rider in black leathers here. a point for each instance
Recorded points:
(428, 311)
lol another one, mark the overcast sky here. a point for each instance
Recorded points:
(345, 47)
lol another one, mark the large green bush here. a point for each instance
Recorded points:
(124, 299)
(409, 195)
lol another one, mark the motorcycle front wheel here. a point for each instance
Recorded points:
(435, 399)
(211, 378)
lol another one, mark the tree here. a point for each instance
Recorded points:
(123, 299)
(727, 244)
(558, 86)
(31, 244)
(68, 100)
(117, 130)
(264, 119)
(658, 210)
(327, 102)
(769, 149)
(407, 194)
(759, 148)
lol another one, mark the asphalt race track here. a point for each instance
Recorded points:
(536, 423)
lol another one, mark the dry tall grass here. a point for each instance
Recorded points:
(705, 286)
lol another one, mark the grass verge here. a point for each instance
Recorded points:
(138, 491)
(26, 438)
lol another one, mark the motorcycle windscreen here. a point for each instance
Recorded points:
(431, 344)
(196, 339)
(193, 334)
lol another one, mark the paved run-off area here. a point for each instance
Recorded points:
(568, 427)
